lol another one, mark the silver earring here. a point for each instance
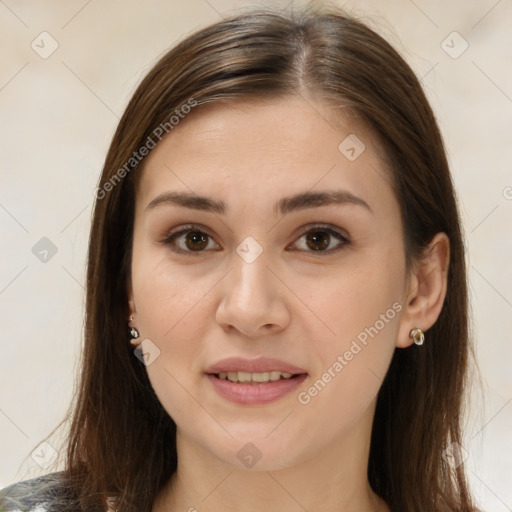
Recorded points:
(417, 336)
(134, 334)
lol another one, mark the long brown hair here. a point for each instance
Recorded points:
(122, 442)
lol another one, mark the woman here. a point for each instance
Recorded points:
(276, 294)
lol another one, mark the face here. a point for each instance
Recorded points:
(293, 251)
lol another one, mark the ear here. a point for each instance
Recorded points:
(426, 290)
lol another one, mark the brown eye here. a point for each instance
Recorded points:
(191, 240)
(321, 239)
(318, 240)
(196, 240)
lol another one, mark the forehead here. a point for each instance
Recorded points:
(254, 150)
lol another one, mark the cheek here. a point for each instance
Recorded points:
(171, 309)
(353, 297)
(362, 307)
(174, 312)
(166, 296)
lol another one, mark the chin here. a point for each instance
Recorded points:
(257, 452)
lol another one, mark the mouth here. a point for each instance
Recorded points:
(254, 381)
(244, 388)
(240, 377)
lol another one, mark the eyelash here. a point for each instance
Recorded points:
(344, 240)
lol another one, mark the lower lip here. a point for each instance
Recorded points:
(254, 394)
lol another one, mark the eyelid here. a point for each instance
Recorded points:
(188, 227)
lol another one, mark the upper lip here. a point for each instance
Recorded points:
(258, 365)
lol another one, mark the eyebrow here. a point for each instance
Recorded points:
(297, 202)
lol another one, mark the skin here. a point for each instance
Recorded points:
(292, 303)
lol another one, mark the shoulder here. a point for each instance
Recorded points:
(47, 493)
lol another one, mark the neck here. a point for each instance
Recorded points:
(331, 480)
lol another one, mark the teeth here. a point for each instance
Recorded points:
(254, 377)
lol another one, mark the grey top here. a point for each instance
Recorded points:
(43, 494)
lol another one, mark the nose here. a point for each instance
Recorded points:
(253, 300)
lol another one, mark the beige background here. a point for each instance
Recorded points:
(59, 114)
